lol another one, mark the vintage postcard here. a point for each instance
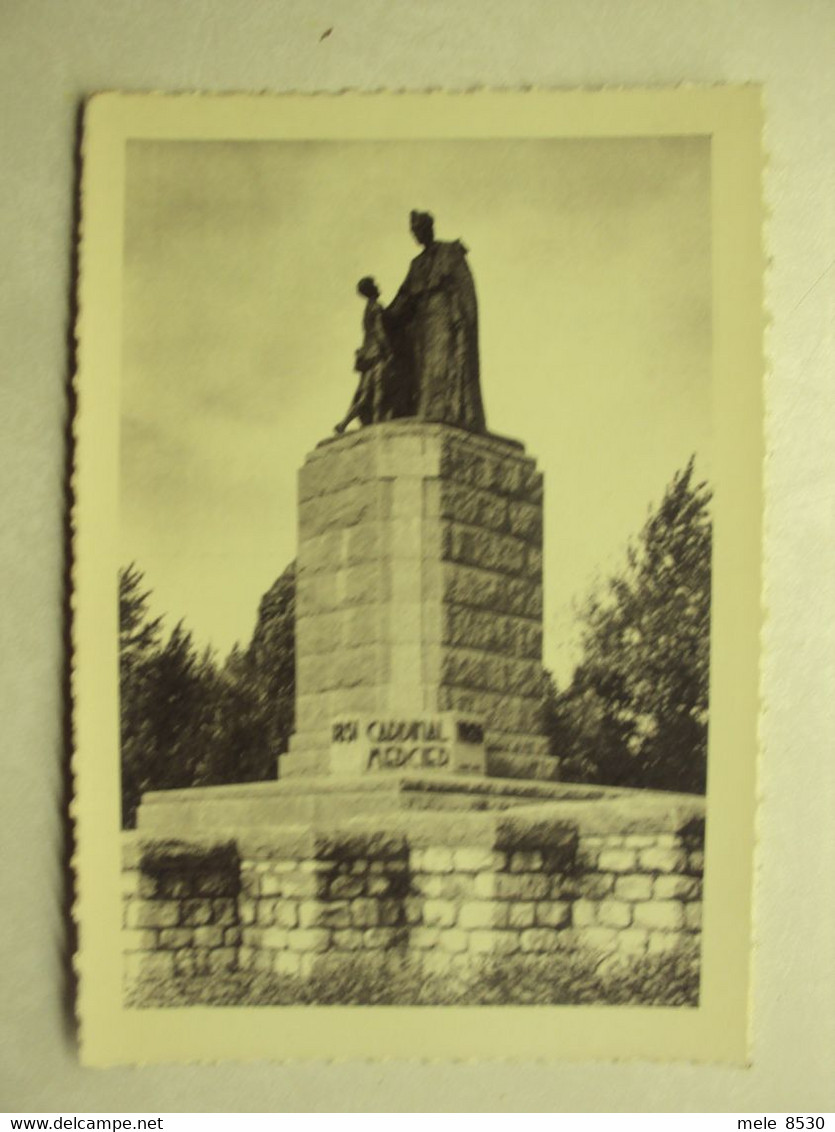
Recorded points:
(417, 575)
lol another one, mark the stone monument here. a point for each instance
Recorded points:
(419, 606)
(417, 809)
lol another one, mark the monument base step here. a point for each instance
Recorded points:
(322, 800)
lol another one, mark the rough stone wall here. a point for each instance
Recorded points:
(295, 909)
(179, 908)
(277, 909)
(639, 892)
(490, 506)
(419, 586)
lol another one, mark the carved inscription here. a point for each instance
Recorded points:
(428, 743)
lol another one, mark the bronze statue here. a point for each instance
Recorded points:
(374, 361)
(433, 323)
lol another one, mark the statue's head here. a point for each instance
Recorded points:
(423, 227)
(368, 288)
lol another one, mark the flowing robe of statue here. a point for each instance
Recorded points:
(434, 323)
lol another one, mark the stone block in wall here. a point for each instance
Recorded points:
(347, 887)
(433, 860)
(327, 915)
(336, 510)
(196, 912)
(224, 910)
(310, 939)
(247, 910)
(594, 886)
(525, 862)
(129, 882)
(454, 939)
(466, 627)
(662, 859)
(222, 960)
(461, 886)
(635, 886)
(265, 912)
(539, 940)
(440, 913)
(483, 589)
(287, 963)
(274, 939)
(660, 942)
(347, 939)
(286, 913)
(149, 964)
(584, 913)
(477, 507)
(674, 886)
(477, 914)
(693, 916)
(428, 885)
(384, 937)
(522, 886)
(614, 914)
(553, 914)
(393, 913)
(365, 912)
(617, 860)
(485, 549)
(516, 914)
(153, 914)
(171, 939)
(424, 938)
(633, 940)
(139, 939)
(666, 915)
(600, 939)
(496, 942)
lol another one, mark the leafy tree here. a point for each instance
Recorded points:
(636, 712)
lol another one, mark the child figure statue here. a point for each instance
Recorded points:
(374, 362)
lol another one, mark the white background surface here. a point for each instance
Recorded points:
(51, 55)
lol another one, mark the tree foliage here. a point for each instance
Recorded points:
(185, 719)
(636, 711)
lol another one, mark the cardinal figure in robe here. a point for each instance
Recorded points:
(433, 325)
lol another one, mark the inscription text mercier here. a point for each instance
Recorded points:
(446, 741)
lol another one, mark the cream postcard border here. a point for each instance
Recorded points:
(716, 1031)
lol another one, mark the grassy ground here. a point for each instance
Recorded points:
(561, 979)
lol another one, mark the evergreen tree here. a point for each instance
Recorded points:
(636, 711)
(256, 694)
(168, 698)
(139, 637)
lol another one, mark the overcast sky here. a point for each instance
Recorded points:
(592, 266)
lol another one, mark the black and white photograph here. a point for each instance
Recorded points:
(416, 474)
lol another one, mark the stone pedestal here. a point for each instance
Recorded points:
(419, 604)
(412, 821)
